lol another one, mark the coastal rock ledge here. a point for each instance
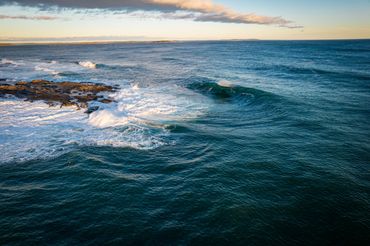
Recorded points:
(59, 93)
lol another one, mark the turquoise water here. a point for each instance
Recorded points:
(208, 143)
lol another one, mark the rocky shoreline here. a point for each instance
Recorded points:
(66, 93)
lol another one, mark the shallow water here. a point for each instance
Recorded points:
(260, 143)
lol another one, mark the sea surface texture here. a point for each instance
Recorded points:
(207, 143)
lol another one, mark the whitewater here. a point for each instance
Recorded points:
(137, 118)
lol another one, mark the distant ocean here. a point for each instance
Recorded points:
(208, 143)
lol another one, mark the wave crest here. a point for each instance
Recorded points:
(224, 90)
(105, 118)
(5, 61)
(87, 64)
(138, 119)
(46, 69)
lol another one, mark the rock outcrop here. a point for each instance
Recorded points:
(58, 93)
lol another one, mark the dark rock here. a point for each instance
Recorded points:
(105, 100)
(91, 109)
(64, 93)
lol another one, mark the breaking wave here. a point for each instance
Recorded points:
(225, 90)
(87, 64)
(139, 119)
(5, 61)
(47, 67)
(35, 68)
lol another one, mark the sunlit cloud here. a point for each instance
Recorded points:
(219, 13)
(199, 10)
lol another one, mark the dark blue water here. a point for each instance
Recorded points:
(224, 143)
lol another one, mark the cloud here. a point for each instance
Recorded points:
(200, 10)
(219, 13)
(25, 17)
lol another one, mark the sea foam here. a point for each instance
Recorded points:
(224, 83)
(9, 62)
(87, 64)
(34, 68)
(138, 119)
(46, 68)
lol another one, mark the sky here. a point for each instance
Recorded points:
(93, 20)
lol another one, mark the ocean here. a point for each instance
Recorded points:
(207, 143)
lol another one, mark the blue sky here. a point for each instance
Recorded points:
(184, 20)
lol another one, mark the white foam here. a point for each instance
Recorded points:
(87, 64)
(225, 83)
(46, 68)
(105, 118)
(154, 105)
(138, 120)
(35, 68)
(54, 68)
(10, 62)
(33, 130)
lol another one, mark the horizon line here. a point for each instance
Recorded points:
(92, 42)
